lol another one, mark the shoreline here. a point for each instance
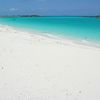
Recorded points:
(35, 67)
(60, 40)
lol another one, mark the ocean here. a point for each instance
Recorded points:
(78, 28)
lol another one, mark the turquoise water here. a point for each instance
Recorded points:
(80, 28)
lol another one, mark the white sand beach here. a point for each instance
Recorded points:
(34, 67)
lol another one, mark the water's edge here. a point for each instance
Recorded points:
(62, 40)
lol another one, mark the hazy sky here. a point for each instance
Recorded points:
(50, 7)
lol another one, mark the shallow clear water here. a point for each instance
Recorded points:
(80, 28)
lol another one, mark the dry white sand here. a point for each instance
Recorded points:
(34, 67)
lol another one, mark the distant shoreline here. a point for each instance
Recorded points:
(8, 16)
(19, 16)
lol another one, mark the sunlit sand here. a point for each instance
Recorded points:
(35, 67)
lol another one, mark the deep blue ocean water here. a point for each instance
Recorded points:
(80, 28)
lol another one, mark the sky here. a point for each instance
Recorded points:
(50, 7)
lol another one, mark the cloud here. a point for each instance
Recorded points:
(13, 9)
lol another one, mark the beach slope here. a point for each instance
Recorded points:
(34, 67)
